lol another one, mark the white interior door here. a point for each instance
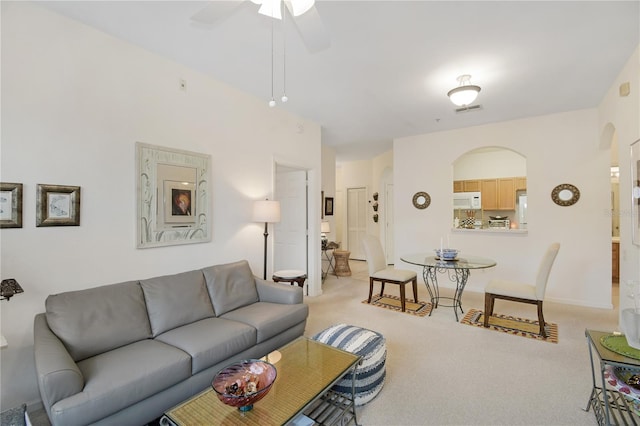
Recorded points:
(389, 247)
(290, 239)
(356, 221)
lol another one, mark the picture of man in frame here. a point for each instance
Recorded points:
(181, 202)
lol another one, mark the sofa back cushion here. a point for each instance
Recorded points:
(96, 320)
(175, 300)
(231, 286)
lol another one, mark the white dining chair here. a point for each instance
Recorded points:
(522, 292)
(380, 271)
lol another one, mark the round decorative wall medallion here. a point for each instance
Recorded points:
(565, 195)
(421, 200)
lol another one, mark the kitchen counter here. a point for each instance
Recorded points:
(615, 239)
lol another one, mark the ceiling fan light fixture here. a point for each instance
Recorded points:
(269, 8)
(465, 93)
(301, 6)
(273, 9)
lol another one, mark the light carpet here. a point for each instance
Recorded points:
(386, 301)
(512, 325)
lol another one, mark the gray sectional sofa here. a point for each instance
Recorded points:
(124, 353)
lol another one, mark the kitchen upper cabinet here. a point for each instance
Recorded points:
(506, 194)
(521, 183)
(466, 186)
(498, 194)
(489, 189)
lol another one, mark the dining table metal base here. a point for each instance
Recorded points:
(458, 276)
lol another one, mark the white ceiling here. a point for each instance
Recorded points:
(391, 63)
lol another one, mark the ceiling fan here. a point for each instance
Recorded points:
(304, 15)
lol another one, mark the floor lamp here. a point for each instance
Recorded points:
(268, 212)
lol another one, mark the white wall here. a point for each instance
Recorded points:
(619, 117)
(560, 148)
(489, 165)
(74, 102)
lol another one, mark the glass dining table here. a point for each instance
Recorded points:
(457, 270)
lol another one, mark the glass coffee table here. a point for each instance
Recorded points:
(306, 372)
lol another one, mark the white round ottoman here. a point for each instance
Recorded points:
(371, 346)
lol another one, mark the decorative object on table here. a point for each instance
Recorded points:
(394, 303)
(630, 317)
(380, 271)
(635, 191)
(57, 205)
(522, 292)
(368, 344)
(375, 206)
(565, 195)
(244, 383)
(447, 254)
(9, 288)
(516, 326)
(375, 217)
(10, 205)
(328, 206)
(626, 382)
(325, 229)
(375, 196)
(268, 212)
(618, 343)
(421, 200)
(173, 203)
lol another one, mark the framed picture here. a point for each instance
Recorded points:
(10, 205)
(173, 196)
(179, 200)
(328, 206)
(635, 191)
(321, 204)
(57, 205)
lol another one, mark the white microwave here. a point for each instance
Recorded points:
(467, 200)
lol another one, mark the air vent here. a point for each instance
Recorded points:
(468, 108)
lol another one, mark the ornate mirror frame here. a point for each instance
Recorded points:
(565, 195)
(173, 205)
(421, 200)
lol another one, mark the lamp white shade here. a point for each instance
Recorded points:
(266, 211)
(324, 227)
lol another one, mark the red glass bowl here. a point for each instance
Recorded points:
(244, 383)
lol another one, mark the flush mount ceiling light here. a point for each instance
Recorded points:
(465, 93)
(273, 8)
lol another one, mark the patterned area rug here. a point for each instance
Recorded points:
(420, 309)
(512, 325)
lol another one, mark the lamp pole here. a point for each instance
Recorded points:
(266, 234)
(268, 212)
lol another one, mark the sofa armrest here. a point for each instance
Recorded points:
(268, 291)
(58, 375)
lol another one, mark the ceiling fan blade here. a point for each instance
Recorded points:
(311, 29)
(217, 11)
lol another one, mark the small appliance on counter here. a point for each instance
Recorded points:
(501, 223)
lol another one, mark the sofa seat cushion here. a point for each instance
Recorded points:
(163, 294)
(231, 286)
(269, 319)
(210, 340)
(119, 378)
(96, 320)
